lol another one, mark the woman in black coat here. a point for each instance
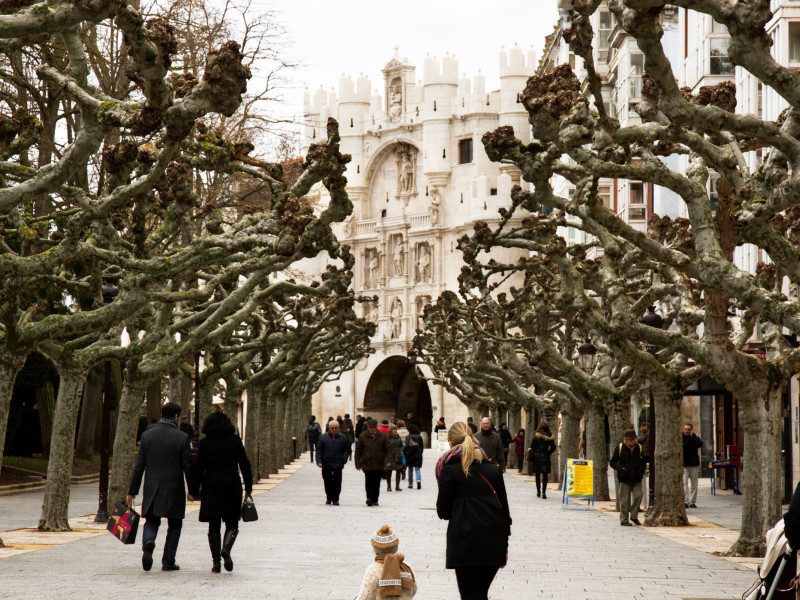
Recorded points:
(413, 455)
(472, 497)
(220, 458)
(542, 446)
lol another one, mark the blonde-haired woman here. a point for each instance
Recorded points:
(472, 497)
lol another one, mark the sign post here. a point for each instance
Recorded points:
(578, 482)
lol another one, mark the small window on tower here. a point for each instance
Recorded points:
(465, 151)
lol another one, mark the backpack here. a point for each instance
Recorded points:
(313, 429)
(413, 446)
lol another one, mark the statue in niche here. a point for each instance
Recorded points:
(423, 263)
(395, 101)
(373, 268)
(433, 210)
(371, 311)
(422, 302)
(395, 317)
(406, 173)
(348, 226)
(398, 256)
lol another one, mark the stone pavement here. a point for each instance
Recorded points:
(301, 549)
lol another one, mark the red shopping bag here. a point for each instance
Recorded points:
(124, 523)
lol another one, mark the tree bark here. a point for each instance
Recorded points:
(760, 421)
(90, 409)
(668, 509)
(154, 401)
(124, 456)
(514, 421)
(233, 400)
(46, 401)
(265, 445)
(570, 438)
(252, 421)
(596, 448)
(8, 375)
(55, 513)
(530, 429)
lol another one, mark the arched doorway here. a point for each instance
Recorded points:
(395, 389)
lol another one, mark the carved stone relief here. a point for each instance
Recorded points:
(421, 303)
(423, 262)
(398, 255)
(371, 268)
(396, 318)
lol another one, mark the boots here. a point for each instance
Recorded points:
(227, 544)
(419, 485)
(538, 491)
(214, 542)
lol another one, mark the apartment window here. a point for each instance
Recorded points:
(604, 34)
(465, 151)
(717, 27)
(635, 77)
(604, 194)
(794, 42)
(720, 63)
(637, 213)
(637, 193)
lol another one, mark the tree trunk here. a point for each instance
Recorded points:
(55, 509)
(570, 438)
(668, 509)
(530, 429)
(252, 421)
(90, 409)
(8, 375)
(124, 454)
(514, 421)
(265, 446)
(596, 448)
(154, 401)
(233, 400)
(760, 420)
(206, 397)
(46, 401)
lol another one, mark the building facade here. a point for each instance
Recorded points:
(419, 179)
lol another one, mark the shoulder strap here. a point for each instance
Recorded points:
(500, 504)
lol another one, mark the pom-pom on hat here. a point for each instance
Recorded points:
(385, 540)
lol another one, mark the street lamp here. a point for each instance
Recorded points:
(652, 319)
(587, 352)
(109, 291)
(196, 437)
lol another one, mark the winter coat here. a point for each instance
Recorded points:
(519, 445)
(691, 444)
(333, 451)
(628, 463)
(542, 446)
(403, 433)
(490, 442)
(505, 437)
(373, 454)
(164, 458)
(480, 522)
(396, 455)
(348, 429)
(439, 426)
(413, 459)
(220, 457)
(791, 520)
(313, 431)
(360, 425)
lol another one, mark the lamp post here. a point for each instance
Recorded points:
(652, 319)
(109, 292)
(587, 352)
(196, 437)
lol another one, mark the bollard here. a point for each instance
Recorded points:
(294, 447)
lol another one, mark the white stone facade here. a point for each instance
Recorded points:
(419, 179)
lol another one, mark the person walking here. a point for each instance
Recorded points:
(361, 423)
(472, 427)
(396, 460)
(491, 444)
(384, 428)
(220, 458)
(542, 446)
(505, 437)
(412, 450)
(629, 463)
(313, 431)
(333, 452)
(519, 449)
(165, 460)
(472, 497)
(373, 454)
(389, 576)
(440, 425)
(402, 429)
(186, 427)
(691, 465)
(347, 428)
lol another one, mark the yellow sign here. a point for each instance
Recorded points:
(579, 476)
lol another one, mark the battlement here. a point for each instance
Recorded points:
(444, 73)
(513, 64)
(354, 91)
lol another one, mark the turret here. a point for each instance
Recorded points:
(440, 84)
(514, 74)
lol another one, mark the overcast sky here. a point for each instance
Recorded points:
(354, 36)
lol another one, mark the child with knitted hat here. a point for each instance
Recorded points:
(388, 577)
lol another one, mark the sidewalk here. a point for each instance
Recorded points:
(301, 549)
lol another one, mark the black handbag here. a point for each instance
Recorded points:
(249, 512)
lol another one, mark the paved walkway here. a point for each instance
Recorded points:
(301, 549)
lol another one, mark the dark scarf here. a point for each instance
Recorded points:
(455, 454)
(170, 422)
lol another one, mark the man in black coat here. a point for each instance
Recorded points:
(165, 455)
(691, 465)
(374, 455)
(629, 464)
(333, 452)
(491, 443)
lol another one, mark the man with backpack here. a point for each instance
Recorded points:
(629, 463)
(313, 431)
(413, 452)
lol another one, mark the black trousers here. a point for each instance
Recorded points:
(333, 483)
(474, 582)
(214, 524)
(372, 484)
(541, 479)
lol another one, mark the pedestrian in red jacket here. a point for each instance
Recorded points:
(519, 448)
